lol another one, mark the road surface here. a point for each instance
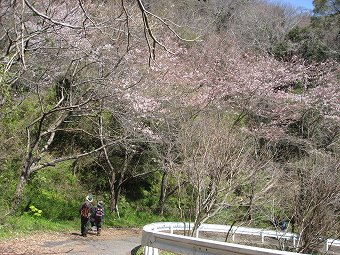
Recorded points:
(111, 242)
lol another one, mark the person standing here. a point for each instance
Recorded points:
(98, 220)
(93, 211)
(85, 212)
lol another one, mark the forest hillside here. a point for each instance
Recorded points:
(219, 111)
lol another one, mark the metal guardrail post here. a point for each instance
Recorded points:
(150, 251)
(326, 246)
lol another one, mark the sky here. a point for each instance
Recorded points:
(306, 4)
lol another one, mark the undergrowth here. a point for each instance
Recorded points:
(16, 226)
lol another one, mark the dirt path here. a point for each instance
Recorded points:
(112, 242)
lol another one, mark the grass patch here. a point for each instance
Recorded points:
(14, 226)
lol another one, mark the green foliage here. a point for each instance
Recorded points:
(140, 251)
(326, 7)
(65, 143)
(298, 89)
(281, 50)
(91, 175)
(9, 175)
(56, 191)
(11, 226)
(34, 211)
(316, 42)
(297, 34)
(230, 215)
(313, 126)
(167, 253)
(313, 50)
(17, 117)
(134, 214)
(146, 189)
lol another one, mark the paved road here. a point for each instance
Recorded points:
(121, 245)
(111, 242)
(118, 246)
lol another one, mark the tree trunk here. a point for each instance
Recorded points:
(115, 186)
(117, 193)
(160, 208)
(20, 188)
(112, 192)
(112, 200)
(118, 181)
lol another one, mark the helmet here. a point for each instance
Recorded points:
(100, 203)
(89, 198)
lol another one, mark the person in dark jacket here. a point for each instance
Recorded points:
(85, 212)
(93, 211)
(283, 224)
(98, 220)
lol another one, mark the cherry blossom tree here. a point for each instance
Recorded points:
(286, 105)
(225, 122)
(69, 56)
(218, 162)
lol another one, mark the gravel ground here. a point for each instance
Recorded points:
(112, 241)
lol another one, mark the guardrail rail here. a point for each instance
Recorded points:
(154, 238)
(161, 236)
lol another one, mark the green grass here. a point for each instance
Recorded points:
(14, 226)
(28, 223)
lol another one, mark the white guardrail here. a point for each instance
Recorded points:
(154, 238)
(331, 242)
